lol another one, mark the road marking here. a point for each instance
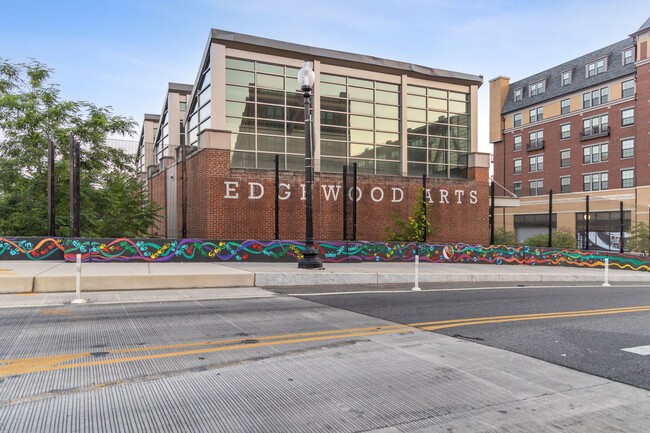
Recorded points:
(57, 362)
(430, 326)
(639, 350)
(18, 366)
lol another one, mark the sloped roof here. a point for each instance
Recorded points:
(552, 77)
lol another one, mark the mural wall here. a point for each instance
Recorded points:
(197, 250)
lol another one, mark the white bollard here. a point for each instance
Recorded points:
(417, 272)
(606, 283)
(78, 299)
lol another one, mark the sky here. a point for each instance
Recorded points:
(123, 53)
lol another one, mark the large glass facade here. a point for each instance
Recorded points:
(360, 122)
(161, 147)
(438, 135)
(199, 120)
(264, 111)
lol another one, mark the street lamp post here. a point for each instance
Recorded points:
(310, 258)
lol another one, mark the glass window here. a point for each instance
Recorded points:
(240, 77)
(595, 181)
(270, 81)
(458, 107)
(239, 64)
(536, 187)
(416, 114)
(565, 184)
(270, 144)
(336, 90)
(387, 111)
(627, 117)
(360, 93)
(332, 118)
(536, 88)
(517, 165)
(565, 158)
(518, 95)
(386, 97)
(361, 136)
(566, 78)
(333, 104)
(516, 188)
(627, 148)
(240, 93)
(566, 106)
(628, 56)
(366, 108)
(438, 104)
(333, 148)
(332, 79)
(362, 122)
(536, 163)
(627, 89)
(627, 178)
(517, 142)
(565, 131)
(517, 119)
(416, 101)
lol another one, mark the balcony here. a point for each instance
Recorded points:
(594, 132)
(535, 145)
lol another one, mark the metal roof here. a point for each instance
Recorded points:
(579, 81)
(312, 53)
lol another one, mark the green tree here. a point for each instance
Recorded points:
(504, 237)
(638, 241)
(113, 201)
(562, 238)
(413, 229)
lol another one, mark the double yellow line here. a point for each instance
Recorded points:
(432, 326)
(12, 367)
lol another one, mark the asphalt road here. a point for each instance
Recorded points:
(589, 342)
(284, 364)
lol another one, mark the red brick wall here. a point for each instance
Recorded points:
(553, 144)
(212, 215)
(157, 194)
(642, 124)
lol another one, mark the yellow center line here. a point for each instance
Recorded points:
(49, 363)
(539, 315)
(62, 361)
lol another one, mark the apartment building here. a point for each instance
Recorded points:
(574, 139)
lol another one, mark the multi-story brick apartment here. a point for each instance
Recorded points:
(397, 121)
(579, 129)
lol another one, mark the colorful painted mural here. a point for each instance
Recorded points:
(197, 250)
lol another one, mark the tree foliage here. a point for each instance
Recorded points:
(504, 237)
(413, 228)
(562, 238)
(113, 201)
(639, 237)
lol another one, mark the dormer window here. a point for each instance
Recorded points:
(518, 94)
(628, 56)
(566, 78)
(595, 68)
(536, 88)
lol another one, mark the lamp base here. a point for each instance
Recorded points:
(310, 260)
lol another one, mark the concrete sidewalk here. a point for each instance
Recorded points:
(47, 277)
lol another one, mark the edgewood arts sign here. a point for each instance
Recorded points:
(255, 191)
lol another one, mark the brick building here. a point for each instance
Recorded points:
(581, 131)
(396, 121)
